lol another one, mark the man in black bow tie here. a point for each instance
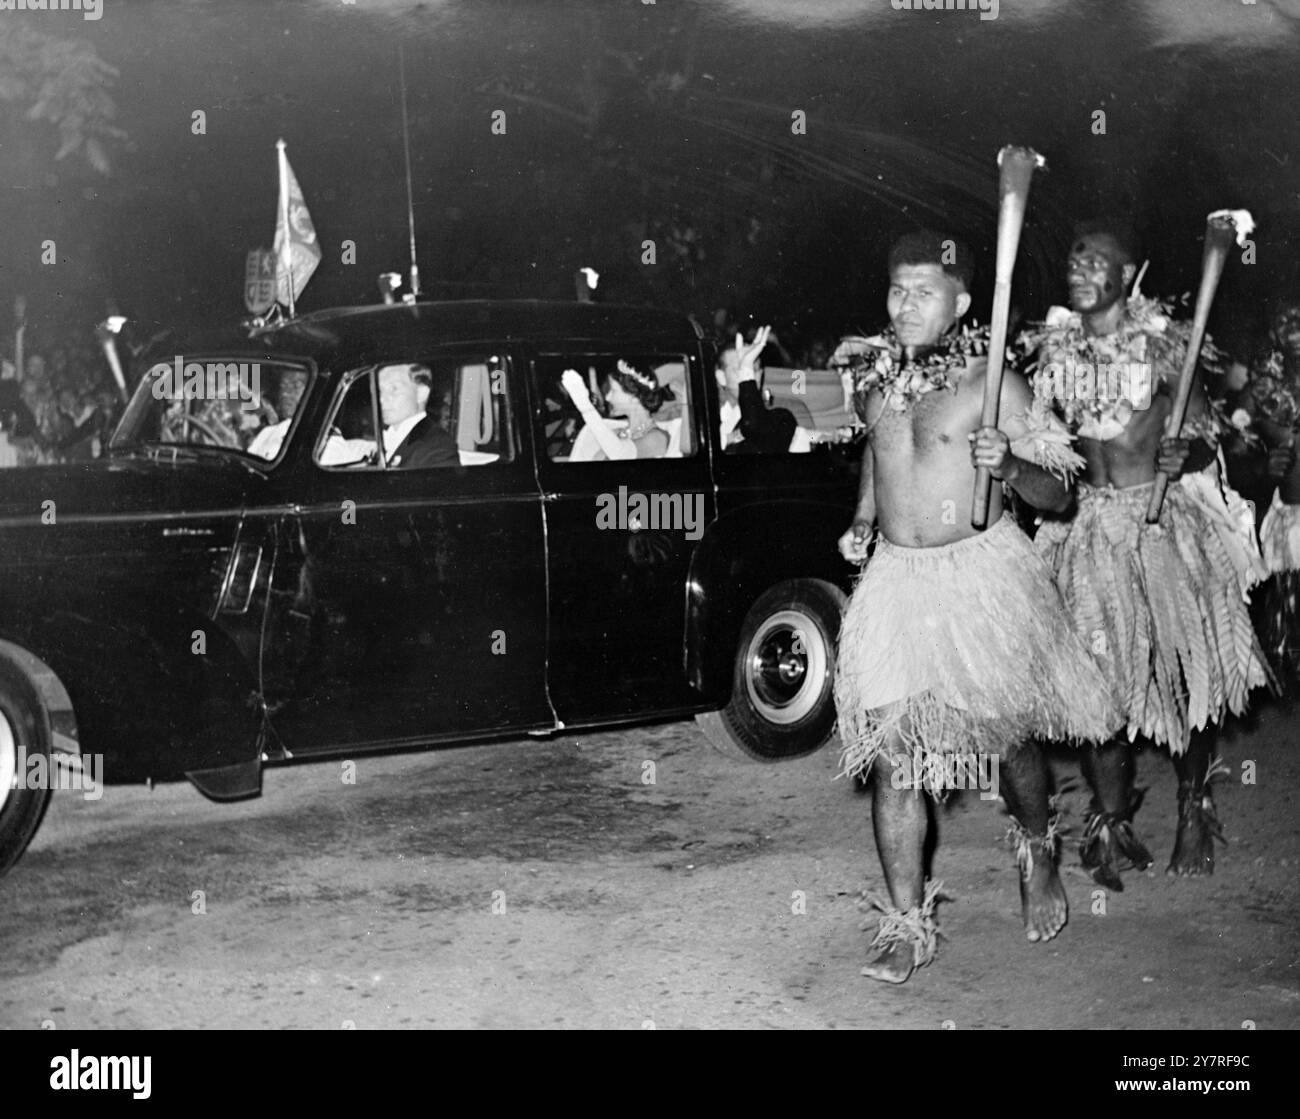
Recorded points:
(411, 438)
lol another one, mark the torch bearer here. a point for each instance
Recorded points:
(1017, 168)
(20, 328)
(1221, 228)
(107, 332)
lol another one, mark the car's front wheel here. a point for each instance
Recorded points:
(782, 692)
(24, 784)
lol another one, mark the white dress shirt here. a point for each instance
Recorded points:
(394, 435)
(267, 443)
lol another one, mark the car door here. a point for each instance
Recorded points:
(620, 536)
(410, 600)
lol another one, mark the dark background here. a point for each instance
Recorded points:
(626, 121)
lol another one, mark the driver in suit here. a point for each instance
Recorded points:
(412, 438)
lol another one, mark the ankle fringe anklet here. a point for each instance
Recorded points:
(1024, 842)
(917, 926)
(1108, 844)
(1200, 801)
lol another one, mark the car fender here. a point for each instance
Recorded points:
(158, 694)
(729, 573)
(51, 693)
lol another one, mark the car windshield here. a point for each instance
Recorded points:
(234, 404)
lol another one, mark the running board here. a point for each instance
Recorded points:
(229, 782)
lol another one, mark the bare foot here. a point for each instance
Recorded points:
(1198, 828)
(1043, 900)
(893, 965)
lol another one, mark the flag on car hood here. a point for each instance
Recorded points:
(297, 251)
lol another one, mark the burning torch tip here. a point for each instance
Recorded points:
(1239, 219)
(1040, 162)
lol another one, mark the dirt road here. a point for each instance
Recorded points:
(550, 883)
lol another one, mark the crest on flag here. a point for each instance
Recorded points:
(297, 252)
(259, 280)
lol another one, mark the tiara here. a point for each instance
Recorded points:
(643, 379)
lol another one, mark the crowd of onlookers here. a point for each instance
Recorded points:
(60, 407)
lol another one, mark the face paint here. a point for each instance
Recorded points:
(1094, 273)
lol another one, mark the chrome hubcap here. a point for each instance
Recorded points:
(787, 661)
(8, 759)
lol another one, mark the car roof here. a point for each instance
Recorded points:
(356, 335)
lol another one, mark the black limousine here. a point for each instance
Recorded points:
(252, 574)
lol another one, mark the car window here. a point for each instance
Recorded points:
(348, 438)
(651, 388)
(283, 390)
(816, 399)
(206, 401)
(444, 410)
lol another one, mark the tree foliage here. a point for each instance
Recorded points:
(61, 83)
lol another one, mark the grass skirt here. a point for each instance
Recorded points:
(1163, 607)
(962, 647)
(1279, 536)
(1279, 610)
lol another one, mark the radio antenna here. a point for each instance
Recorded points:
(406, 148)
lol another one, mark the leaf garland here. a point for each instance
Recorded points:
(880, 365)
(1274, 392)
(1148, 334)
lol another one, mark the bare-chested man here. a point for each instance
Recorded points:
(1271, 400)
(955, 641)
(1163, 608)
